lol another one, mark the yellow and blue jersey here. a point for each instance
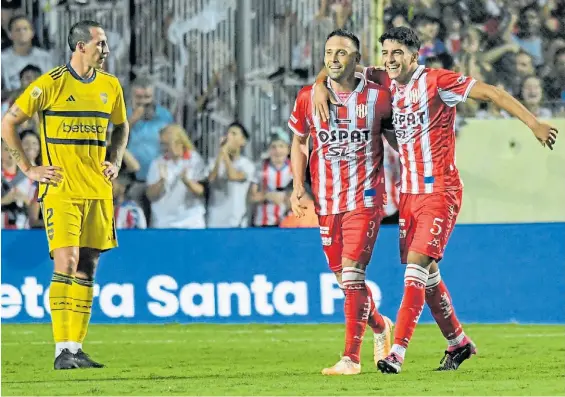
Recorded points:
(74, 114)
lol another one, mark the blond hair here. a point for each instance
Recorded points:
(179, 134)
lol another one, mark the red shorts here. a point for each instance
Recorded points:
(426, 222)
(350, 235)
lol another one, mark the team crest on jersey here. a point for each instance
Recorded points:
(461, 79)
(36, 92)
(104, 98)
(414, 95)
(361, 111)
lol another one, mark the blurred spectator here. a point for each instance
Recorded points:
(529, 35)
(9, 9)
(174, 185)
(146, 119)
(339, 10)
(428, 28)
(229, 180)
(531, 96)
(310, 219)
(272, 176)
(524, 68)
(27, 76)
(555, 82)
(14, 213)
(127, 213)
(22, 53)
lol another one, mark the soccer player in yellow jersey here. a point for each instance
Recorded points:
(75, 104)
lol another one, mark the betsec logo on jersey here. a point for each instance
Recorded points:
(84, 128)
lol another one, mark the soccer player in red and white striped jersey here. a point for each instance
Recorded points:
(424, 101)
(347, 173)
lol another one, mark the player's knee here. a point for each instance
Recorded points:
(346, 262)
(66, 262)
(422, 260)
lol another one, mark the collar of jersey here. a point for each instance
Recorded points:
(76, 76)
(357, 89)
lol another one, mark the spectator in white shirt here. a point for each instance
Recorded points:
(271, 178)
(22, 53)
(174, 185)
(229, 180)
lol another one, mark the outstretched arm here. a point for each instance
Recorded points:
(545, 133)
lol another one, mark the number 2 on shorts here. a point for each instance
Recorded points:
(49, 216)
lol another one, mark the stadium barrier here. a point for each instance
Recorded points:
(496, 273)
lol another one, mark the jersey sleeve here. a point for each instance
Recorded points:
(118, 115)
(377, 75)
(298, 122)
(37, 96)
(453, 87)
(384, 108)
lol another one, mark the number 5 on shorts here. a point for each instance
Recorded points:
(437, 226)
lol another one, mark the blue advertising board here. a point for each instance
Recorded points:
(496, 274)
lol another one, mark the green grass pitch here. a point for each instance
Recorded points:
(278, 360)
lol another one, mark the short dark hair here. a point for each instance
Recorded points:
(80, 31)
(347, 34)
(403, 35)
(241, 127)
(15, 19)
(29, 68)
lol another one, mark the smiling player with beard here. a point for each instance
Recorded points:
(75, 102)
(423, 102)
(348, 186)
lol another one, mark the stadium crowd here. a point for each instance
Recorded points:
(166, 181)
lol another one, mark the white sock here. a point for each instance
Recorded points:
(74, 346)
(456, 341)
(59, 346)
(398, 350)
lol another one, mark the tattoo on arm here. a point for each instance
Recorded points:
(119, 142)
(15, 153)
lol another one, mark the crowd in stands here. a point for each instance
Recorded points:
(165, 182)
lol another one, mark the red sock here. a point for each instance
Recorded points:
(439, 301)
(376, 320)
(415, 279)
(357, 308)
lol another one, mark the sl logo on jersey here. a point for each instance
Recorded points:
(104, 98)
(35, 93)
(361, 111)
(461, 79)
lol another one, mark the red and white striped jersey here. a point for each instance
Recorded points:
(346, 163)
(271, 179)
(424, 118)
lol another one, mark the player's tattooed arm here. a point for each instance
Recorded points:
(119, 141)
(10, 122)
